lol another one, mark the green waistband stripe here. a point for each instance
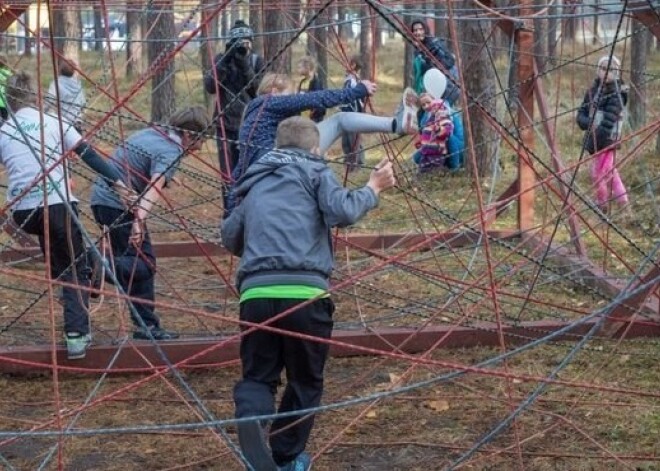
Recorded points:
(282, 292)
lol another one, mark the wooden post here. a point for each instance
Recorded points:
(524, 36)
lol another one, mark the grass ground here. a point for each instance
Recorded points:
(604, 416)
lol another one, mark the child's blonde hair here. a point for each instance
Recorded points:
(308, 62)
(298, 132)
(272, 81)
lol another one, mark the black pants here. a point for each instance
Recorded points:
(265, 354)
(134, 268)
(68, 261)
(228, 154)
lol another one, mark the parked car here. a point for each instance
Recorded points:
(116, 37)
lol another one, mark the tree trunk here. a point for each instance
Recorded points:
(366, 41)
(553, 11)
(638, 63)
(440, 25)
(66, 31)
(27, 51)
(480, 83)
(256, 23)
(134, 36)
(317, 38)
(163, 94)
(377, 22)
(408, 51)
(594, 40)
(570, 22)
(345, 29)
(206, 46)
(99, 30)
(274, 47)
(540, 32)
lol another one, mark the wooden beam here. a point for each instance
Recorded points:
(359, 241)
(141, 356)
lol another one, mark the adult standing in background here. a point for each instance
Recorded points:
(423, 61)
(234, 81)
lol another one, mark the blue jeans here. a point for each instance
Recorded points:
(456, 143)
(134, 269)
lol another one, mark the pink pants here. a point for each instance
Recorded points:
(607, 180)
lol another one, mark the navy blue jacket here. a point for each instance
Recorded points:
(266, 112)
(603, 108)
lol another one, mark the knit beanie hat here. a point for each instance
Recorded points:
(613, 63)
(240, 30)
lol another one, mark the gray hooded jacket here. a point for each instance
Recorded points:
(281, 228)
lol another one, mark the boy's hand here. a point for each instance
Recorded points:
(371, 86)
(127, 195)
(137, 233)
(382, 177)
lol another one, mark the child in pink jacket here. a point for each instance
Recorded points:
(436, 128)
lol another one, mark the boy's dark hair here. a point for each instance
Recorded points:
(299, 132)
(20, 91)
(193, 119)
(357, 63)
(67, 68)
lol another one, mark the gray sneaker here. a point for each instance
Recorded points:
(76, 345)
(406, 113)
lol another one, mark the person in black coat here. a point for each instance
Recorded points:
(601, 116)
(234, 81)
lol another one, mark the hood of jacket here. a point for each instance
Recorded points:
(271, 162)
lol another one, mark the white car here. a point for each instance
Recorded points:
(116, 37)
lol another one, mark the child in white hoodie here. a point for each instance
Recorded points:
(66, 88)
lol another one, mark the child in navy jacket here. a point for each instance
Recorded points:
(276, 101)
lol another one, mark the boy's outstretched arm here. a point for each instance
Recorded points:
(291, 104)
(342, 207)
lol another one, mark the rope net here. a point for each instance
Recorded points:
(535, 397)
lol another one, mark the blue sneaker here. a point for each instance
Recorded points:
(303, 462)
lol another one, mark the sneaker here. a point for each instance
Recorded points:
(157, 333)
(406, 114)
(252, 439)
(303, 462)
(76, 345)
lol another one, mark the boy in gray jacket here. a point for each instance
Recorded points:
(290, 200)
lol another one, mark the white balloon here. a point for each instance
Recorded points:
(435, 83)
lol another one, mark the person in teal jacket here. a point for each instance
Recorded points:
(423, 62)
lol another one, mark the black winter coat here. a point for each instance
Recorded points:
(602, 108)
(233, 73)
